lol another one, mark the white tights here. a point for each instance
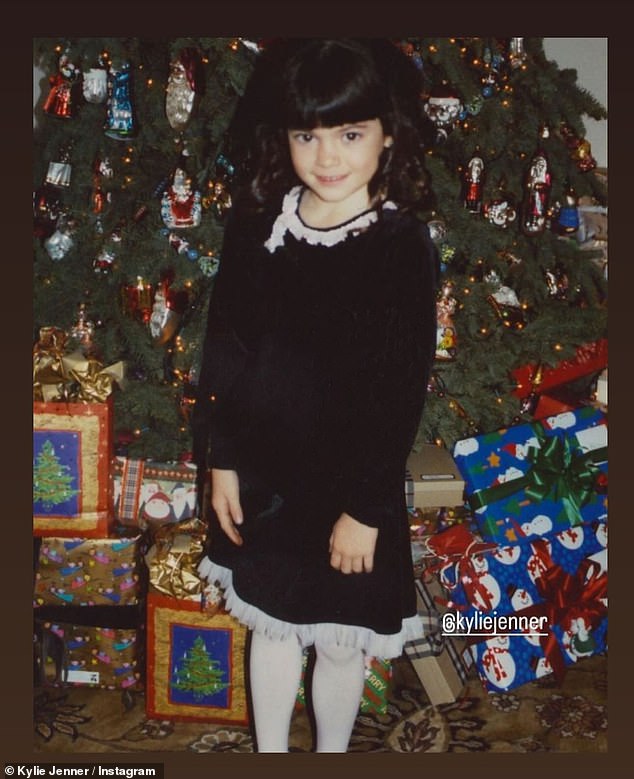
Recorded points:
(337, 685)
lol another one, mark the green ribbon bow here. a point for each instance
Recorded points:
(557, 471)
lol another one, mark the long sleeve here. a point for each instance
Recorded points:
(397, 343)
(233, 324)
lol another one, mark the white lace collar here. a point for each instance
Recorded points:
(289, 220)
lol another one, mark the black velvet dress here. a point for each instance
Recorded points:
(314, 374)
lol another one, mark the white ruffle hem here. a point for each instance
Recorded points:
(385, 646)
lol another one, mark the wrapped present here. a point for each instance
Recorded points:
(195, 663)
(85, 655)
(172, 559)
(589, 358)
(441, 661)
(90, 571)
(506, 661)
(148, 493)
(528, 479)
(424, 523)
(72, 452)
(511, 578)
(566, 618)
(376, 688)
(432, 479)
(60, 375)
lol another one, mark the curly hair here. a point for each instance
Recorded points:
(302, 83)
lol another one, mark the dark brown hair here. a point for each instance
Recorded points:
(302, 83)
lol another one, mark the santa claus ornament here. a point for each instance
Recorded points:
(443, 107)
(183, 86)
(181, 206)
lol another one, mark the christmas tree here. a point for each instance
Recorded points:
(199, 673)
(52, 481)
(134, 170)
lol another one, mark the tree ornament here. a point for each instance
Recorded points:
(62, 97)
(120, 120)
(138, 299)
(218, 198)
(567, 220)
(443, 107)
(580, 149)
(437, 230)
(59, 172)
(505, 303)
(473, 182)
(47, 207)
(446, 337)
(83, 330)
(517, 53)
(180, 206)
(167, 310)
(183, 86)
(104, 261)
(557, 282)
(101, 169)
(60, 242)
(538, 183)
(490, 86)
(529, 404)
(500, 211)
(209, 265)
(95, 84)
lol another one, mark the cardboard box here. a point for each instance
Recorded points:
(433, 479)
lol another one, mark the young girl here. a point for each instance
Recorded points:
(320, 339)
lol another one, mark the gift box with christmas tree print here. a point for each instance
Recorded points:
(552, 472)
(90, 571)
(90, 656)
(72, 454)
(195, 663)
(148, 493)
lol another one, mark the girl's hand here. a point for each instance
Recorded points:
(225, 501)
(352, 545)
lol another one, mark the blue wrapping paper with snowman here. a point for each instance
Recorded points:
(507, 579)
(505, 662)
(552, 469)
(554, 586)
(573, 624)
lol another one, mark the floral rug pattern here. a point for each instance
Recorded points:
(541, 716)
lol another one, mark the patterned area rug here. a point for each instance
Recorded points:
(538, 717)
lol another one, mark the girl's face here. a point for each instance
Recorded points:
(337, 163)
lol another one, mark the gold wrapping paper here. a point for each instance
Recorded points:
(72, 377)
(89, 571)
(89, 656)
(173, 558)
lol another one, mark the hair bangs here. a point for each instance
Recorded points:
(338, 86)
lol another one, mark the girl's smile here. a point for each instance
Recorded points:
(336, 164)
